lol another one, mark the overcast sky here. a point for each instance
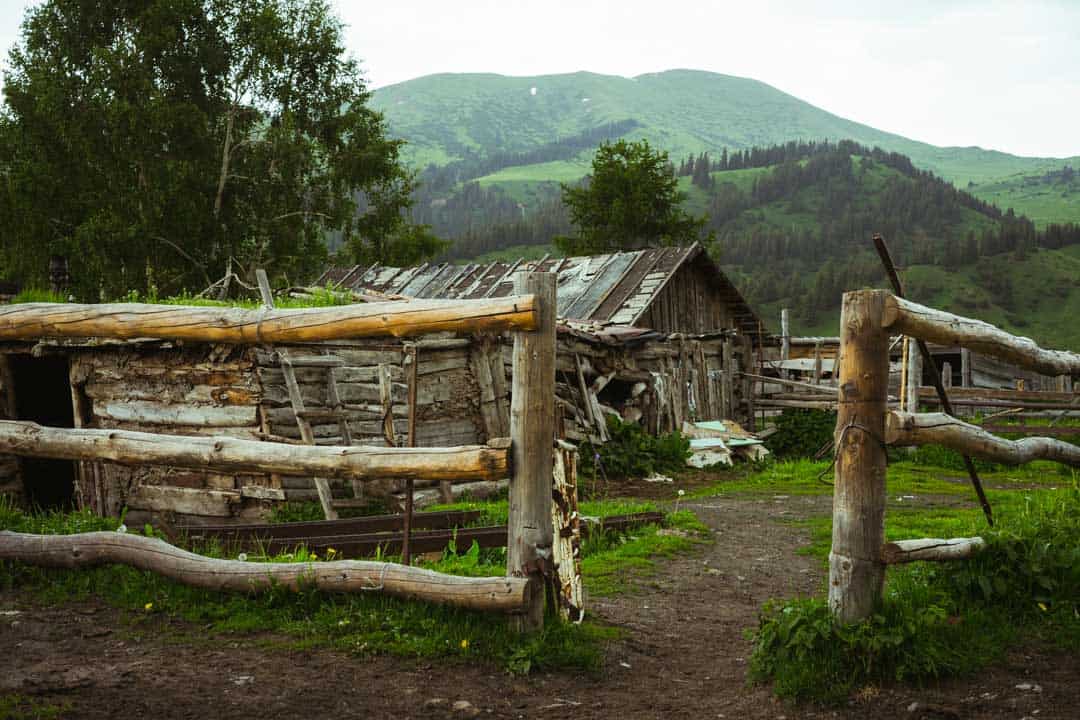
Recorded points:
(998, 74)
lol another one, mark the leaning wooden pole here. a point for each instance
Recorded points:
(227, 454)
(935, 376)
(532, 435)
(30, 321)
(856, 573)
(504, 594)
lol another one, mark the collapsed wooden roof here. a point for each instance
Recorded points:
(614, 289)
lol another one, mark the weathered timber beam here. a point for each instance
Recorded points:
(226, 454)
(505, 594)
(908, 318)
(947, 431)
(974, 393)
(265, 326)
(933, 549)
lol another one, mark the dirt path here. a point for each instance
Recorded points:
(684, 656)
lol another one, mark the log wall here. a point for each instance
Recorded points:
(192, 390)
(463, 398)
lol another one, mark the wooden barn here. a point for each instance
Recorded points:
(655, 336)
(356, 392)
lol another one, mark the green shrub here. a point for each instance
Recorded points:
(632, 452)
(936, 619)
(801, 433)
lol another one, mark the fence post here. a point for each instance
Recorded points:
(856, 572)
(532, 433)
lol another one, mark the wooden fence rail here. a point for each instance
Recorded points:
(458, 464)
(865, 426)
(31, 321)
(529, 535)
(507, 594)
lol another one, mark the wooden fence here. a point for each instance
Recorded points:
(528, 457)
(865, 426)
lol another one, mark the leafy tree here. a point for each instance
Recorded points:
(157, 142)
(630, 201)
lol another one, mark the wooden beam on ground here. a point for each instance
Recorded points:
(932, 549)
(968, 439)
(30, 321)
(936, 326)
(532, 432)
(506, 594)
(856, 574)
(227, 454)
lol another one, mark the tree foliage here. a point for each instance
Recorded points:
(154, 142)
(631, 200)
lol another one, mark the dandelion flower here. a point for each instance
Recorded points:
(1042, 606)
(242, 557)
(464, 644)
(148, 606)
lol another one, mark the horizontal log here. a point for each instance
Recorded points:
(455, 464)
(908, 318)
(1032, 430)
(822, 388)
(977, 393)
(932, 549)
(148, 412)
(184, 500)
(974, 441)
(265, 326)
(330, 528)
(805, 404)
(506, 594)
(988, 403)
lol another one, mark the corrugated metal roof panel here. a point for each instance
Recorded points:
(605, 289)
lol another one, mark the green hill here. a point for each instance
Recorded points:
(450, 116)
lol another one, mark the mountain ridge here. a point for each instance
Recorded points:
(682, 111)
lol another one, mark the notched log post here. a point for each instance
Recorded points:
(532, 432)
(856, 572)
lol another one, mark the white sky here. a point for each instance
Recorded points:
(1001, 74)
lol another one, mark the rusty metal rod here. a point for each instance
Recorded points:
(935, 374)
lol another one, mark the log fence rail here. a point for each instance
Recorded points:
(527, 457)
(866, 426)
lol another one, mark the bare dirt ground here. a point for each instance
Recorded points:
(683, 655)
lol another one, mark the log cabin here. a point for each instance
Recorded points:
(653, 336)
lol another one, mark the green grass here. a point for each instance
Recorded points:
(22, 707)
(936, 620)
(364, 623)
(1043, 202)
(358, 623)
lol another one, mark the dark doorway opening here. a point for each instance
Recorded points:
(43, 395)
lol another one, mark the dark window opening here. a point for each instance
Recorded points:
(43, 395)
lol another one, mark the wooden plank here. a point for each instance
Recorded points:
(28, 321)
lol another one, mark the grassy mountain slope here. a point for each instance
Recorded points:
(681, 111)
(1044, 307)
